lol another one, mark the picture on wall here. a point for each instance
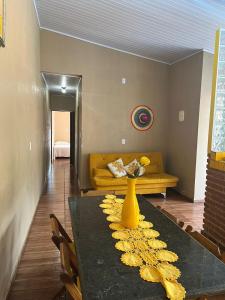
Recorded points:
(142, 117)
(2, 23)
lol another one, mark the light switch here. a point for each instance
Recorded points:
(123, 141)
(181, 116)
(30, 146)
(124, 81)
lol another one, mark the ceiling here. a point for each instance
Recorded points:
(163, 30)
(55, 83)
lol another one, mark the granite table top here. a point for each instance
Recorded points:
(104, 276)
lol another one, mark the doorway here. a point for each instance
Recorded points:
(61, 135)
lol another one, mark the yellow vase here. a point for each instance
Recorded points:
(130, 211)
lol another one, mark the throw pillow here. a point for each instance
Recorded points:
(132, 166)
(117, 168)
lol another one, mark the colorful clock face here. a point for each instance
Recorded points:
(142, 117)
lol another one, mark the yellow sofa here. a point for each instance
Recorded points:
(155, 180)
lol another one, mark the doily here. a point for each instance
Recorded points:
(131, 259)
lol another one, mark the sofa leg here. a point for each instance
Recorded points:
(164, 195)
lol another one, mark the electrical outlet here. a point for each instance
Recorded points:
(123, 141)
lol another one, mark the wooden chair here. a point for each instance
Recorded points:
(181, 224)
(204, 241)
(189, 229)
(58, 231)
(223, 257)
(169, 215)
(73, 264)
(71, 287)
(69, 276)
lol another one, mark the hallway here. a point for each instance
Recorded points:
(37, 276)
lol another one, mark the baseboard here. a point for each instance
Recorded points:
(44, 188)
(11, 281)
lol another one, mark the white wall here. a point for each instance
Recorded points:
(203, 127)
(185, 88)
(190, 90)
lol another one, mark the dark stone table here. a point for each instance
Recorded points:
(102, 274)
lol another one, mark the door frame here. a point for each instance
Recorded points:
(78, 121)
(72, 138)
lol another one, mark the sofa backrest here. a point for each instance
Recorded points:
(100, 160)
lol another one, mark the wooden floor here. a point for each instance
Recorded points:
(181, 207)
(37, 277)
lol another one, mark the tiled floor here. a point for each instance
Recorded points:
(37, 276)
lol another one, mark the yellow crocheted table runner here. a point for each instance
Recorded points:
(142, 248)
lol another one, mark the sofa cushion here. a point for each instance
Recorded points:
(102, 181)
(103, 173)
(117, 168)
(152, 169)
(146, 179)
(157, 178)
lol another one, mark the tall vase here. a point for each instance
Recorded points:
(130, 211)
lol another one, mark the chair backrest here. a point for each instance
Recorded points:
(68, 257)
(204, 241)
(58, 231)
(71, 287)
(169, 215)
(189, 229)
(181, 224)
(165, 212)
(69, 267)
(223, 257)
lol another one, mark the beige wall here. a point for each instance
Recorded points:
(106, 103)
(190, 85)
(61, 126)
(22, 121)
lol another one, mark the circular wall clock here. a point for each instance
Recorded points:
(142, 117)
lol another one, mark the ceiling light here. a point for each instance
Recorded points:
(63, 81)
(63, 89)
